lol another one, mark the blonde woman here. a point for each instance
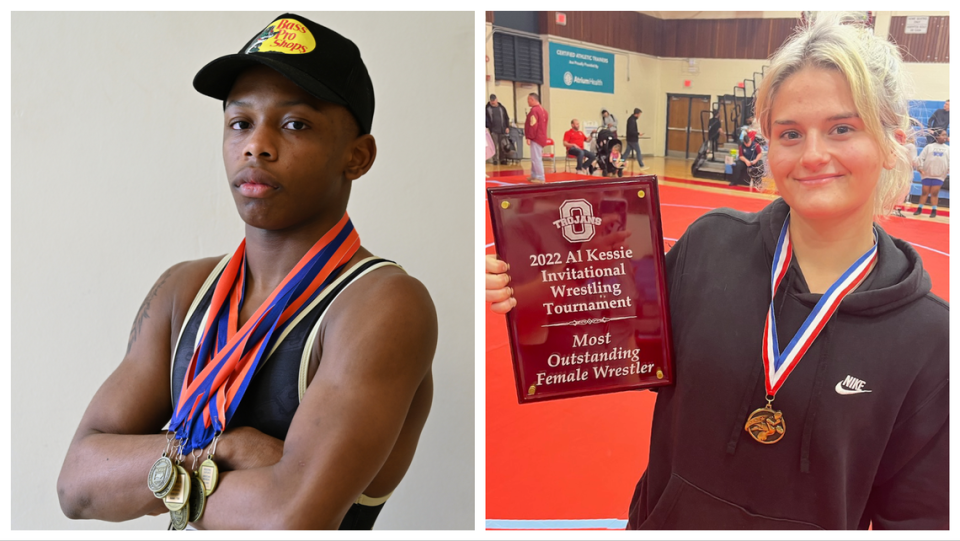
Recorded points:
(797, 402)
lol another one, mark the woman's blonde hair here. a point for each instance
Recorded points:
(873, 68)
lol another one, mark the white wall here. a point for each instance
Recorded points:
(117, 174)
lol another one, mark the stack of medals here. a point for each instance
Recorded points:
(184, 493)
(225, 360)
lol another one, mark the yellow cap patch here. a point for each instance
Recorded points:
(287, 36)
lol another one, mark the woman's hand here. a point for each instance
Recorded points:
(498, 292)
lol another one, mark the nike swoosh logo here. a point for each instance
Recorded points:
(841, 390)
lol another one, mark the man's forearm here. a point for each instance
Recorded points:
(104, 476)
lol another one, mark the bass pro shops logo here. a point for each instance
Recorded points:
(286, 36)
(577, 221)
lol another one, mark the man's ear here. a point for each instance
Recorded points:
(363, 153)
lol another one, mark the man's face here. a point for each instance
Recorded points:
(575, 124)
(285, 152)
(946, 105)
(530, 101)
(494, 102)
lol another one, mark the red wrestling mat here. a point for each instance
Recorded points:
(573, 464)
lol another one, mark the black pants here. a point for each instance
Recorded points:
(740, 175)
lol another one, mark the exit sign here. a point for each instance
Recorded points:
(561, 19)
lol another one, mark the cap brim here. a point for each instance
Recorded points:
(217, 78)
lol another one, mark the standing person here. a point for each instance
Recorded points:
(714, 131)
(331, 412)
(939, 120)
(808, 409)
(498, 122)
(573, 141)
(934, 163)
(535, 132)
(608, 121)
(633, 138)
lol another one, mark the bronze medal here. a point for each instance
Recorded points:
(179, 517)
(198, 499)
(161, 474)
(766, 425)
(178, 496)
(208, 473)
(166, 490)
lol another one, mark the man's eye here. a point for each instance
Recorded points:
(295, 125)
(790, 135)
(239, 125)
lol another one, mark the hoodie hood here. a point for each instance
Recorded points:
(897, 279)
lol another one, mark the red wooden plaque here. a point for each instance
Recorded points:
(587, 270)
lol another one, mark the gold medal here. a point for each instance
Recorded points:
(178, 496)
(209, 472)
(179, 517)
(766, 425)
(161, 474)
(198, 499)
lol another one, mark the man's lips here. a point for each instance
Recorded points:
(255, 183)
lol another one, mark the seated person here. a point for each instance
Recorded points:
(616, 160)
(573, 140)
(750, 155)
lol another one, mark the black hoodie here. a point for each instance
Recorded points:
(845, 460)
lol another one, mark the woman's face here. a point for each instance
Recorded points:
(824, 162)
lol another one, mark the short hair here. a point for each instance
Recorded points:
(873, 68)
(572, 120)
(493, 97)
(535, 96)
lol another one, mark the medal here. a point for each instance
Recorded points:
(178, 519)
(180, 494)
(766, 425)
(208, 475)
(198, 499)
(160, 474)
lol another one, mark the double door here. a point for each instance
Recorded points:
(684, 135)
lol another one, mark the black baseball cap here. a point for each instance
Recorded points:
(319, 60)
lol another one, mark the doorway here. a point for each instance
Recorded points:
(684, 135)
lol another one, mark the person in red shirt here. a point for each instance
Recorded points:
(573, 139)
(535, 132)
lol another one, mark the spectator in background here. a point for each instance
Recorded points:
(633, 138)
(573, 141)
(750, 125)
(498, 122)
(934, 165)
(750, 155)
(940, 120)
(608, 121)
(535, 132)
(714, 131)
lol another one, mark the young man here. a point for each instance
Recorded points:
(535, 132)
(335, 380)
(573, 140)
(498, 122)
(633, 138)
(934, 163)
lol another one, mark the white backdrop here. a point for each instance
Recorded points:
(117, 174)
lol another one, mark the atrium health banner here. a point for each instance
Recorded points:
(580, 69)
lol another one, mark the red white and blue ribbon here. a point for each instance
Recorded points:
(226, 358)
(777, 365)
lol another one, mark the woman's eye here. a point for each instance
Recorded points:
(841, 130)
(790, 135)
(295, 125)
(239, 125)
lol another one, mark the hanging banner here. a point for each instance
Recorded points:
(576, 68)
